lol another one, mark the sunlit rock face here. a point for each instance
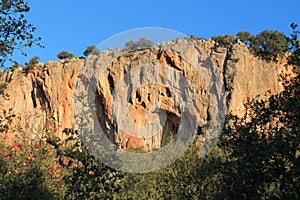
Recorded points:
(174, 71)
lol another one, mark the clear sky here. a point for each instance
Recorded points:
(72, 25)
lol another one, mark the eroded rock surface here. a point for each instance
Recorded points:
(48, 89)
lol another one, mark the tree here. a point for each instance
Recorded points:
(294, 59)
(268, 44)
(15, 31)
(264, 153)
(89, 178)
(130, 45)
(246, 37)
(91, 50)
(34, 60)
(225, 41)
(65, 55)
(142, 43)
(32, 63)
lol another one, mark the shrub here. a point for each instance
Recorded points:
(32, 63)
(225, 41)
(267, 44)
(65, 55)
(91, 50)
(14, 66)
(28, 166)
(270, 44)
(142, 43)
(294, 58)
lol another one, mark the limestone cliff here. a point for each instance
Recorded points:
(48, 88)
(45, 90)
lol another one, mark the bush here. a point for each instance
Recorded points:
(294, 58)
(268, 44)
(142, 43)
(91, 50)
(29, 168)
(14, 66)
(65, 55)
(32, 63)
(226, 41)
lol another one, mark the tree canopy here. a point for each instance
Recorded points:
(91, 50)
(294, 58)
(65, 55)
(267, 44)
(142, 43)
(15, 30)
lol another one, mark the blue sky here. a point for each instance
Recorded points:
(73, 25)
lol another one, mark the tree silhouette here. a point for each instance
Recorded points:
(142, 43)
(16, 32)
(65, 55)
(91, 50)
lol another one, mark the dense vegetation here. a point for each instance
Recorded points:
(268, 44)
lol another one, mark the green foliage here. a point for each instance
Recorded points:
(267, 44)
(5, 120)
(88, 178)
(246, 37)
(142, 43)
(270, 44)
(14, 66)
(32, 63)
(263, 160)
(16, 33)
(65, 55)
(190, 177)
(91, 50)
(226, 41)
(28, 169)
(192, 37)
(294, 59)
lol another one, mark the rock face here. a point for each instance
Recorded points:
(43, 92)
(48, 89)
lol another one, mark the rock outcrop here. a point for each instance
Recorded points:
(48, 88)
(43, 92)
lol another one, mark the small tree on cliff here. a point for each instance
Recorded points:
(91, 50)
(267, 44)
(65, 55)
(32, 63)
(226, 40)
(142, 43)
